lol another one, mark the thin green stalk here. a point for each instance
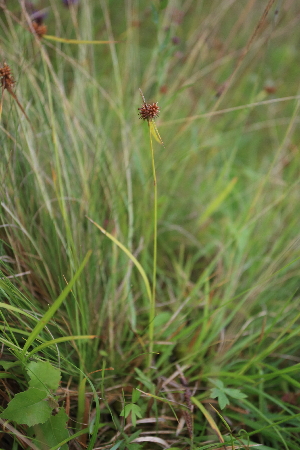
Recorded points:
(152, 304)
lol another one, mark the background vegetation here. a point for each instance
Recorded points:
(225, 367)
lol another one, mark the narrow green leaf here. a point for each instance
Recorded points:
(117, 445)
(133, 436)
(58, 341)
(51, 311)
(70, 438)
(135, 395)
(208, 417)
(130, 256)
(75, 41)
(155, 133)
(29, 408)
(144, 379)
(169, 402)
(15, 309)
(217, 201)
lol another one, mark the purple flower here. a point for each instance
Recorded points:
(37, 16)
(175, 40)
(70, 2)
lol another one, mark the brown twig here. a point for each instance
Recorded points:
(188, 416)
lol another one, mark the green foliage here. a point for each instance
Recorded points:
(43, 375)
(222, 393)
(28, 408)
(53, 431)
(127, 443)
(34, 406)
(132, 408)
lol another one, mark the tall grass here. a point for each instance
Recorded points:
(226, 277)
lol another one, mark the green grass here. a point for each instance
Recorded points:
(224, 285)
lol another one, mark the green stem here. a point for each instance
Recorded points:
(152, 305)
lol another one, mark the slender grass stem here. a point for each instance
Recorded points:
(152, 305)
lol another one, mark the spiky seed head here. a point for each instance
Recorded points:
(5, 70)
(6, 78)
(39, 29)
(149, 111)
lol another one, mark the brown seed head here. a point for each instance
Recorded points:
(149, 111)
(7, 80)
(39, 29)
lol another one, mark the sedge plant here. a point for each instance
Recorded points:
(148, 112)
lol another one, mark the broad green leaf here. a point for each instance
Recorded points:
(214, 393)
(235, 393)
(43, 375)
(223, 400)
(126, 410)
(53, 431)
(70, 438)
(222, 397)
(29, 408)
(135, 412)
(217, 383)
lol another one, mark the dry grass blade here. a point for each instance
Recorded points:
(225, 86)
(155, 440)
(18, 435)
(188, 416)
(209, 418)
